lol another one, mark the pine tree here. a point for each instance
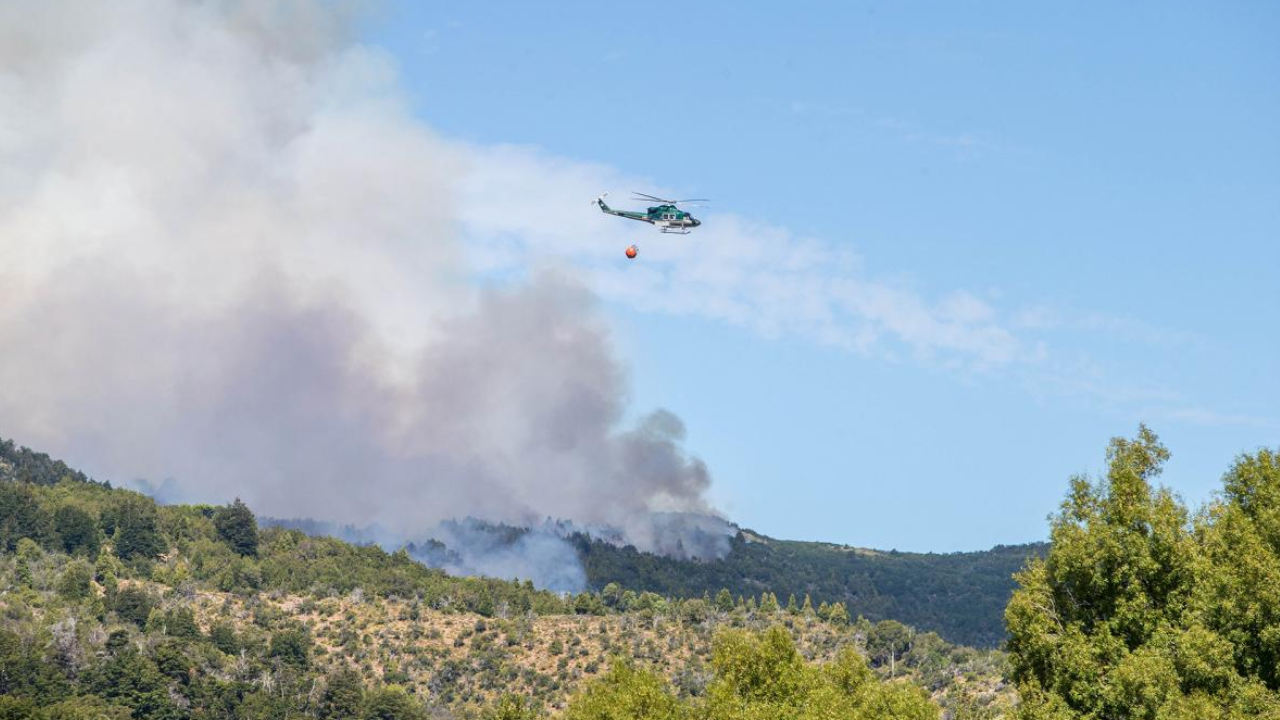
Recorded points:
(77, 531)
(137, 533)
(238, 528)
(343, 696)
(838, 615)
(792, 608)
(807, 609)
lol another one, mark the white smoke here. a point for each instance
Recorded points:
(229, 258)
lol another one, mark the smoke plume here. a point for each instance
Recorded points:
(230, 266)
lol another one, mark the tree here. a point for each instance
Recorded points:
(511, 707)
(223, 636)
(612, 595)
(1133, 614)
(136, 531)
(391, 703)
(134, 604)
(838, 615)
(343, 696)
(887, 641)
(134, 680)
(77, 531)
(86, 707)
(763, 676)
(27, 551)
(21, 516)
(724, 600)
(292, 646)
(1239, 594)
(625, 693)
(238, 528)
(73, 583)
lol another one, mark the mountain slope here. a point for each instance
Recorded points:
(961, 596)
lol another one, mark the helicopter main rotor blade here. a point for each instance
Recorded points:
(646, 196)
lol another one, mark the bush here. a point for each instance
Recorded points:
(134, 605)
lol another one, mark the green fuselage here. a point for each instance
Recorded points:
(668, 218)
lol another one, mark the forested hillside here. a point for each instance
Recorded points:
(961, 596)
(113, 607)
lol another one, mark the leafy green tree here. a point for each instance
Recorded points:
(625, 692)
(763, 676)
(511, 707)
(768, 602)
(132, 679)
(343, 695)
(238, 528)
(588, 603)
(77, 531)
(87, 707)
(724, 600)
(24, 571)
(391, 703)
(1238, 596)
(180, 622)
(223, 636)
(21, 516)
(838, 615)
(134, 605)
(1134, 615)
(73, 583)
(137, 534)
(292, 646)
(19, 708)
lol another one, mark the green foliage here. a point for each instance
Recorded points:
(73, 583)
(511, 707)
(136, 531)
(27, 466)
(77, 531)
(959, 595)
(87, 707)
(626, 692)
(134, 604)
(132, 679)
(223, 637)
(758, 676)
(343, 696)
(763, 676)
(391, 703)
(1136, 613)
(21, 516)
(238, 528)
(291, 646)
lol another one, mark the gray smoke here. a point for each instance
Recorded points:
(229, 266)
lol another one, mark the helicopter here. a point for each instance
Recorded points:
(665, 215)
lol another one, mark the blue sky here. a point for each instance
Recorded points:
(1095, 188)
